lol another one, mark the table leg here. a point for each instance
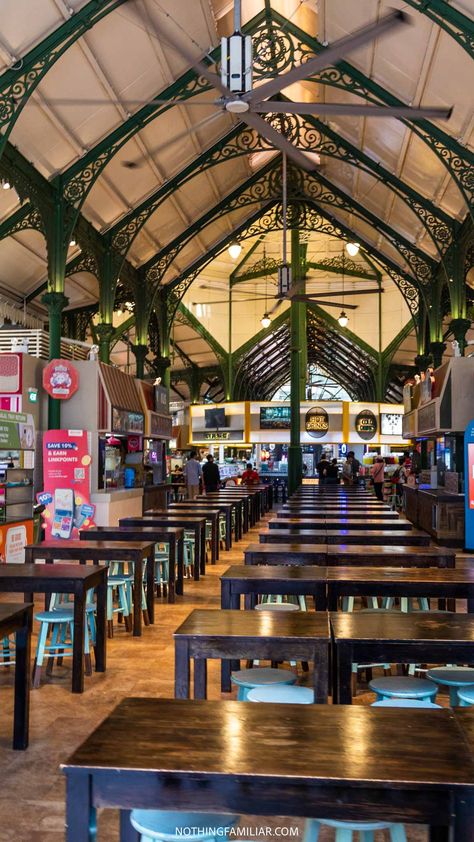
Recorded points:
(226, 667)
(22, 686)
(80, 814)
(321, 670)
(250, 601)
(320, 599)
(174, 586)
(464, 816)
(197, 553)
(202, 566)
(181, 669)
(225, 594)
(200, 678)
(228, 529)
(238, 522)
(150, 587)
(127, 832)
(137, 600)
(101, 626)
(470, 602)
(78, 646)
(344, 674)
(438, 834)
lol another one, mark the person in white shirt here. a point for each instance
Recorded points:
(192, 475)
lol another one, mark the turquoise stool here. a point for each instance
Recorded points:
(403, 687)
(466, 696)
(7, 658)
(247, 680)
(345, 830)
(282, 694)
(456, 678)
(405, 703)
(62, 640)
(169, 826)
(162, 568)
(119, 585)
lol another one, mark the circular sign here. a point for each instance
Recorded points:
(60, 379)
(317, 422)
(366, 424)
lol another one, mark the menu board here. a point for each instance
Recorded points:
(391, 423)
(275, 417)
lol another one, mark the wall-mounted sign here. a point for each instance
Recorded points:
(60, 379)
(161, 426)
(469, 486)
(126, 422)
(366, 424)
(275, 417)
(391, 423)
(161, 399)
(10, 374)
(66, 489)
(134, 444)
(218, 436)
(317, 422)
(17, 431)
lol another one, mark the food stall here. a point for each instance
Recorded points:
(158, 433)
(438, 407)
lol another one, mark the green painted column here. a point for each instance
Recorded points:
(55, 303)
(195, 385)
(105, 332)
(297, 341)
(140, 352)
(459, 328)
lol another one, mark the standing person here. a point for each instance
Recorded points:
(322, 468)
(332, 473)
(347, 475)
(355, 467)
(377, 472)
(210, 475)
(250, 476)
(192, 475)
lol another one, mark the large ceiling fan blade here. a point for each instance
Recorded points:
(277, 139)
(309, 298)
(330, 56)
(131, 165)
(226, 301)
(332, 109)
(125, 101)
(344, 292)
(184, 52)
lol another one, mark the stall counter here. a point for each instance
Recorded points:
(111, 504)
(436, 511)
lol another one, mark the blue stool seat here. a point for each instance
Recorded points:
(403, 687)
(57, 615)
(345, 830)
(282, 694)
(405, 703)
(168, 825)
(260, 677)
(466, 696)
(455, 678)
(277, 606)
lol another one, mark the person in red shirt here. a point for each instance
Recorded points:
(250, 476)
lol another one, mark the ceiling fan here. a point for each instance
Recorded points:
(238, 97)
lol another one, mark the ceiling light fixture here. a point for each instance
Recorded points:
(343, 319)
(352, 249)
(266, 320)
(234, 250)
(72, 241)
(6, 184)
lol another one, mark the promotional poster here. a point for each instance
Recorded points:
(66, 493)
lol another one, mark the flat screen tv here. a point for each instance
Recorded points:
(214, 419)
(275, 417)
(391, 424)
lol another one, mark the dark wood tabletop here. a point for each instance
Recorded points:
(17, 619)
(211, 516)
(76, 579)
(298, 636)
(293, 553)
(414, 538)
(188, 522)
(251, 581)
(328, 760)
(404, 556)
(337, 522)
(172, 535)
(465, 718)
(397, 637)
(225, 508)
(327, 514)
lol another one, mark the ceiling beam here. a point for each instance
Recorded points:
(450, 19)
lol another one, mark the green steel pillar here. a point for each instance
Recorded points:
(105, 331)
(297, 341)
(140, 352)
(229, 386)
(57, 238)
(55, 302)
(109, 268)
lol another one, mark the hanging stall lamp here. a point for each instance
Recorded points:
(6, 184)
(72, 241)
(234, 250)
(265, 320)
(352, 249)
(343, 319)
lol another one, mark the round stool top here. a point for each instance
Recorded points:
(456, 676)
(56, 615)
(467, 695)
(404, 703)
(282, 694)
(277, 606)
(167, 824)
(403, 686)
(263, 675)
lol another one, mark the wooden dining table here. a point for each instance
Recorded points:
(323, 514)
(231, 635)
(392, 556)
(292, 553)
(74, 579)
(171, 535)
(17, 619)
(258, 580)
(338, 522)
(196, 525)
(84, 550)
(212, 517)
(339, 762)
(224, 509)
(397, 638)
(413, 538)
(239, 508)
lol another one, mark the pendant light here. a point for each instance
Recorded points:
(352, 249)
(265, 320)
(343, 317)
(234, 250)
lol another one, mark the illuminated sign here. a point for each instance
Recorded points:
(317, 422)
(391, 424)
(366, 424)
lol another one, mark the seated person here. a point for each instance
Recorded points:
(250, 476)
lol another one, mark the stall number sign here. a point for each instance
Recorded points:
(217, 436)
(366, 424)
(317, 422)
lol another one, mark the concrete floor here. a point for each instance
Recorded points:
(32, 785)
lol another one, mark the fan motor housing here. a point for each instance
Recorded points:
(236, 63)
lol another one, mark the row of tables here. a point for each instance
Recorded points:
(337, 761)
